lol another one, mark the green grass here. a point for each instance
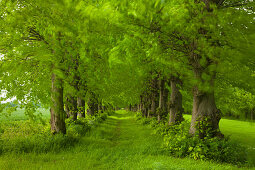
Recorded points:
(20, 115)
(118, 143)
(241, 131)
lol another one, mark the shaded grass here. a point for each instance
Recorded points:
(241, 131)
(118, 143)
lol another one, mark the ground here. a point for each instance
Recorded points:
(118, 143)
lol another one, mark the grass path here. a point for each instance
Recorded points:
(118, 143)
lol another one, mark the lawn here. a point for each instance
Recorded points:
(118, 143)
(240, 131)
(19, 114)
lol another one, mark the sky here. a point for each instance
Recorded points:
(3, 95)
(3, 92)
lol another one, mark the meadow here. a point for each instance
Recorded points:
(120, 142)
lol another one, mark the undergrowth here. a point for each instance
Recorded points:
(179, 143)
(33, 136)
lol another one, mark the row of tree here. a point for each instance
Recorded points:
(197, 46)
(68, 54)
(48, 51)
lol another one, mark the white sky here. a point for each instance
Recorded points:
(3, 95)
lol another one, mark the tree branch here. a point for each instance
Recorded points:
(234, 5)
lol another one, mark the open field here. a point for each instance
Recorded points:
(120, 143)
(20, 115)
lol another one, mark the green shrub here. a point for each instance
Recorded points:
(1, 130)
(179, 143)
(145, 121)
(77, 130)
(153, 122)
(139, 116)
(29, 136)
(160, 128)
(38, 143)
(104, 116)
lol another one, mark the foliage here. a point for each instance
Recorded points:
(179, 143)
(114, 48)
(108, 146)
(30, 136)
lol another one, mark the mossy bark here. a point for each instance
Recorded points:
(176, 109)
(162, 100)
(205, 114)
(58, 114)
(81, 107)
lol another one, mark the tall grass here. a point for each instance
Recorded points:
(117, 143)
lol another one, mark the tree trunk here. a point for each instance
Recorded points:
(251, 114)
(93, 104)
(161, 108)
(176, 110)
(96, 108)
(140, 104)
(143, 110)
(90, 110)
(153, 104)
(100, 107)
(154, 95)
(205, 115)
(57, 108)
(148, 108)
(246, 115)
(165, 96)
(67, 109)
(74, 111)
(81, 107)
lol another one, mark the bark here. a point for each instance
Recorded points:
(140, 104)
(134, 108)
(57, 108)
(154, 95)
(96, 107)
(162, 103)
(90, 110)
(153, 104)
(74, 108)
(100, 107)
(252, 114)
(93, 104)
(246, 115)
(144, 107)
(165, 96)
(176, 110)
(205, 114)
(81, 107)
(75, 84)
(103, 108)
(67, 109)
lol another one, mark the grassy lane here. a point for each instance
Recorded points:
(118, 143)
